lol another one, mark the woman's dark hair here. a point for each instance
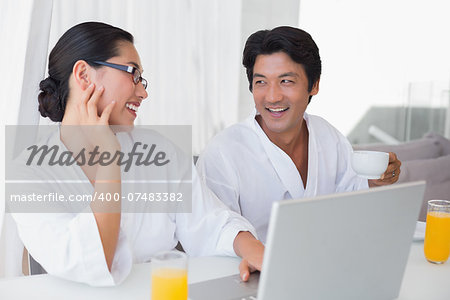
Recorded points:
(90, 41)
(296, 43)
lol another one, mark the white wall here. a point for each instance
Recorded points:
(372, 50)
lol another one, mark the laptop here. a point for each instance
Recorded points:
(348, 246)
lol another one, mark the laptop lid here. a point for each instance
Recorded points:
(342, 246)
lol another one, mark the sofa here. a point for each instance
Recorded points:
(426, 159)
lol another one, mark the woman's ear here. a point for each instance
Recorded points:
(81, 74)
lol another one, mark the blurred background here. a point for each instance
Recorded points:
(386, 63)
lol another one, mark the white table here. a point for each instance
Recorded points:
(422, 280)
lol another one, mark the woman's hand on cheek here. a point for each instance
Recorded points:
(96, 128)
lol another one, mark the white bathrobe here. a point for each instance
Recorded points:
(68, 245)
(248, 172)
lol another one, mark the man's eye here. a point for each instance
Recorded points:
(286, 81)
(259, 82)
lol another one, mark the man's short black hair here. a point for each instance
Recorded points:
(296, 43)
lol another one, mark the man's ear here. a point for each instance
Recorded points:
(81, 74)
(315, 88)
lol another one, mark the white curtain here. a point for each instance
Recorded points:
(24, 39)
(190, 50)
(217, 53)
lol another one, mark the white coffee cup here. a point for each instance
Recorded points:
(370, 164)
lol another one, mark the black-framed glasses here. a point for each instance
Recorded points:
(132, 70)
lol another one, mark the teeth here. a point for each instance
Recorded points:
(131, 106)
(277, 109)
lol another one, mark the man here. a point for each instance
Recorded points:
(281, 152)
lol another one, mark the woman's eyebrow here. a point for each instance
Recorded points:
(136, 65)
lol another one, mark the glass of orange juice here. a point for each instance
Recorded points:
(169, 276)
(437, 232)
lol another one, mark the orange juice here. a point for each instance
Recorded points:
(437, 236)
(169, 284)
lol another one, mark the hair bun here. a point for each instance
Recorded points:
(49, 100)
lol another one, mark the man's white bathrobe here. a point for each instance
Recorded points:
(68, 245)
(248, 172)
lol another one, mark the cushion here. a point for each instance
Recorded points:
(436, 172)
(445, 143)
(425, 148)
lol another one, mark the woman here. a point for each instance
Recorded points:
(95, 79)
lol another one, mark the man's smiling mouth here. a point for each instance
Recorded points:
(277, 110)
